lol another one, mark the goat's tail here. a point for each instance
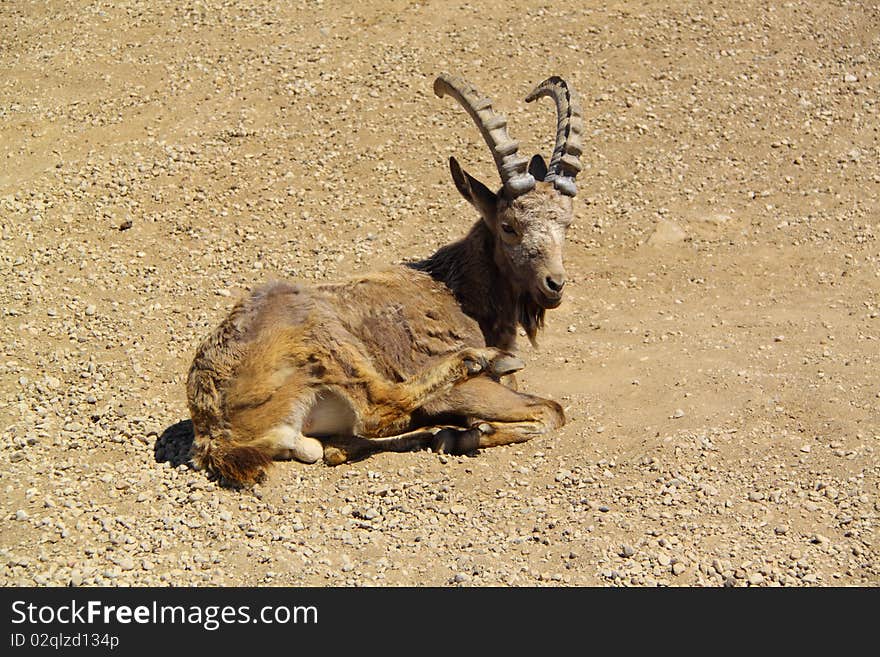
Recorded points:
(238, 463)
(215, 446)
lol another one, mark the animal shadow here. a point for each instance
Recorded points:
(175, 444)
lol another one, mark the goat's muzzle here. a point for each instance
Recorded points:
(548, 300)
(548, 294)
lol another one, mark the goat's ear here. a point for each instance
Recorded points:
(538, 167)
(475, 192)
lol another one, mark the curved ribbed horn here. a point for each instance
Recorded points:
(493, 127)
(564, 165)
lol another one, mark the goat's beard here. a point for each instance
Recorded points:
(531, 317)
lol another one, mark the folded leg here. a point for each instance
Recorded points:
(495, 415)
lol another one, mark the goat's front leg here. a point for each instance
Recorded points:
(352, 448)
(495, 414)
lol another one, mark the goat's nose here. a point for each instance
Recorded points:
(555, 282)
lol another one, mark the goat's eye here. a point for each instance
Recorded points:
(507, 228)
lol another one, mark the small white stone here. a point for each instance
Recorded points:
(125, 562)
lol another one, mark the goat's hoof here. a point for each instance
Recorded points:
(334, 455)
(473, 367)
(455, 441)
(505, 364)
(489, 359)
(445, 441)
(469, 441)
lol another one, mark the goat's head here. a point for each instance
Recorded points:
(530, 213)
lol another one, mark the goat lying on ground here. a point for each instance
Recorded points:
(405, 358)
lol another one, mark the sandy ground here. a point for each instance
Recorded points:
(717, 352)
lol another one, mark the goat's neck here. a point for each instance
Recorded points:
(469, 269)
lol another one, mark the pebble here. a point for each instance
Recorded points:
(678, 413)
(755, 579)
(125, 562)
(678, 568)
(627, 550)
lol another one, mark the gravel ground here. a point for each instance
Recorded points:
(717, 353)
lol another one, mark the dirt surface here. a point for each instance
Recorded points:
(717, 351)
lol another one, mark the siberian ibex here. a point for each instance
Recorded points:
(409, 357)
